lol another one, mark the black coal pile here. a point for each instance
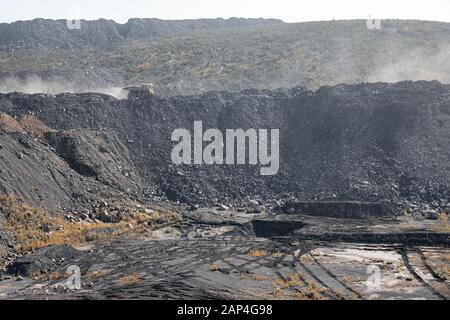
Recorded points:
(96, 154)
(63, 170)
(187, 57)
(366, 142)
(343, 209)
(42, 260)
(54, 34)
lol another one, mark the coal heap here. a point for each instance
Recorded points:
(365, 142)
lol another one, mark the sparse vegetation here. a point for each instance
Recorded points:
(27, 123)
(214, 267)
(97, 274)
(34, 228)
(313, 292)
(130, 279)
(277, 254)
(307, 259)
(258, 253)
(351, 280)
(142, 222)
(443, 273)
(278, 293)
(304, 291)
(443, 225)
(52, 276)
(292, 280)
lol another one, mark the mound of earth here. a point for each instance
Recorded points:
(43, 260)
(367, 142)
(96, 154)
(196, 56)
(48, 34)
(81, 169)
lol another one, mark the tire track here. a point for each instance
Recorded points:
(404, 254)
(427, 266)
(334, 294)
(335, 278)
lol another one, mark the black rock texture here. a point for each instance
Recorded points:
(96, 154)
(366, 142)
(81, 169)
(102, 33)
(344, 209)
(43, 260)
(197, 56)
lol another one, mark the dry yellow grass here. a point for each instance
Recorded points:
(278, 293)
(443, 224)
(141, 220)
(9, 124)
(351, 280)
(306, 259)
(27, 225)
(313, 292)
(277, 254)
(258, 253)
(292, 280)
(27, 123)
(214, 267)
(143, 66)
(52, 276)
(130, 279)
(443, 273)
(305, 291)
(34, 126)
(97, 274)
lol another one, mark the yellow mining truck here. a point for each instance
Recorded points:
(145, 89)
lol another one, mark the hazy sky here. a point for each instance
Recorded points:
(287, 10)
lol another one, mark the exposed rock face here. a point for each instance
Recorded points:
(96, 154)
(344, 209)
(84, 168)
(267, 228)
(31, 171)
(367, 142)
(43, 260)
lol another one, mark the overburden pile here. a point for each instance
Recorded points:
(366, 142)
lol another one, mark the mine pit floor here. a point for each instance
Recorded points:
(208, 260)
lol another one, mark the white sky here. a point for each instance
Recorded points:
(287, 10)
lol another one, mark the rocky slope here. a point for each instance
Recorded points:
(191, 57)
(54, 34)
(60, 170)
(348, 142)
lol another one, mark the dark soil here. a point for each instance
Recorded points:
(369, 142)
(191, 57)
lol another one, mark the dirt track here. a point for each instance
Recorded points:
(215, 262)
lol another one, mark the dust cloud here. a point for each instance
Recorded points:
(35, 84)
(416, 64)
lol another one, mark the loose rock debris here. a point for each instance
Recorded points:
(219, 263)
(359, 209)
